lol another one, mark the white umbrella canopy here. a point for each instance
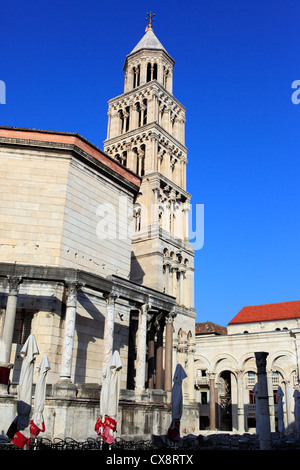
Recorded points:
(109, 399)
(19, 431)
(176, 403)
(37, 424)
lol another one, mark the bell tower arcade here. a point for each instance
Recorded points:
(146, 134)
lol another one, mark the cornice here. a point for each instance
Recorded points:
(73, 144)
(148, 130)
(153, 85)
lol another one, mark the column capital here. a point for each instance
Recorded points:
(111, 298)
(14, 284)
(170, 317)
(239, 373)
(73, 287)
(261, 361)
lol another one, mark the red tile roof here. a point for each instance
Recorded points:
(208, 327)
(268, 312)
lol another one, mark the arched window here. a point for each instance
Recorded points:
(124, 158)
(151, 72)
(137, 218)
(136, 76)
(144, 112)
(148, 72)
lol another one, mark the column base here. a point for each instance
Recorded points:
(157, 396)
(65, 388)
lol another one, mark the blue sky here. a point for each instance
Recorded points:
(235, 62)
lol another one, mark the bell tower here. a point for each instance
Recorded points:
(146, 134)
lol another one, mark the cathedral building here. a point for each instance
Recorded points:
(95, 257)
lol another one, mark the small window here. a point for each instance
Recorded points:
(251, 397)
(204, 400)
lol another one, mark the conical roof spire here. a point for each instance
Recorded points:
(149, 40)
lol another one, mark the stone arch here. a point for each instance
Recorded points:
(225, 361)
(137, 217)
(166, 252)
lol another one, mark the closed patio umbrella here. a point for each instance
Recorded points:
(255, 391)
(37, 424)
(279, 395)
(106, 425)
(176, 404)
(296, 411)
(19, 430)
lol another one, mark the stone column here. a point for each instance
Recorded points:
(240, 401)
(174, 269)
(159, 356)
(185, 221)
(108, 123)
(154, 210)
(140, 162)
(263, 414)
(108, 335)
(191, 371)
(151, 350)
(8, 327)
(151, 361)
(167, 275)
(169, 353)
(69, 331)
(181, 281)
(271, 401)
(212, 402)
(141, 349)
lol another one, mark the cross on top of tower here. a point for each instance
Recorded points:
(149, 17)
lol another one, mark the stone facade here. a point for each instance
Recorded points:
(86, 271)
(146, 133)
(226, 370)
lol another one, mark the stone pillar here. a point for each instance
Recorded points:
(69, 331)
(191, 371)
(181, 281)
(240, 401)
(8, 327)
(154, 210)
(263, 414)
(108, 335)
(271, 400)
(185, 221)
(169, 353)
(212, 402)
(159, 357)
(174, 269)
(151, 350)
(151, 361)
(141, 349)
(108, 123)
(167, 275)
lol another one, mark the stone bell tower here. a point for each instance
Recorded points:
(146, 133)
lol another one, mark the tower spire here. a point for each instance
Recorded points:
(150, 18)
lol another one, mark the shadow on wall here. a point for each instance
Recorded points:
(88, 329)
(136, 272)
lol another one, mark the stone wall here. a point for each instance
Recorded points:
(139, 416)
(57, 211)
